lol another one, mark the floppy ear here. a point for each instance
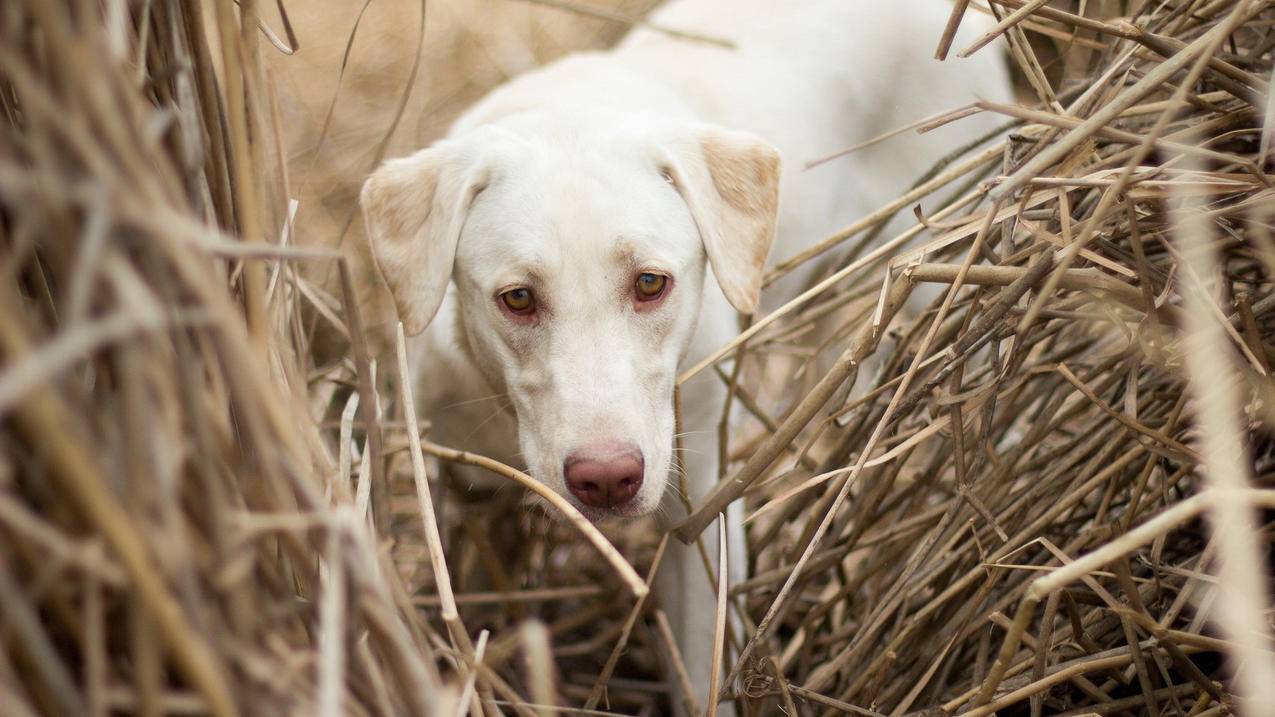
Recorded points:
(730, 181)
(414, 209)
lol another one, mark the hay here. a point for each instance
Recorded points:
(177, 535)
(1043, 503)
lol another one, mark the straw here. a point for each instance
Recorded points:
(1045, 493)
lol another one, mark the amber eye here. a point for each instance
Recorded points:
(519, 301)
(650, 286)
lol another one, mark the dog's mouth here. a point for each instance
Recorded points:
(633, 509)
(620, 512)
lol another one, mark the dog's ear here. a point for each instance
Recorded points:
(414, 209)
(730, 181)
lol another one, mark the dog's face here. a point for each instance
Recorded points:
(580, 260)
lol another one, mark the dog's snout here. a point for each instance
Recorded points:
(605, 476)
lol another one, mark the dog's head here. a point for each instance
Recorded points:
(580, 259)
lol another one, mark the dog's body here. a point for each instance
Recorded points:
(566, 186)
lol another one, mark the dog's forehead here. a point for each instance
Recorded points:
(567, 205)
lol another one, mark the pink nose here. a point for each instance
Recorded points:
(604, 476)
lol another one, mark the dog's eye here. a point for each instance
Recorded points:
(650, 286)
(520, 301)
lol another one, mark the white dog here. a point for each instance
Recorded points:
(557, 245)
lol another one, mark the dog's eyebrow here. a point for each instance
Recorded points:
(519, 273)
(512, 264)
(638, 253)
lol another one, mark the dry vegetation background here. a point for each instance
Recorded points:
(1056, 500)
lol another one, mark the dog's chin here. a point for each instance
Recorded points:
(636, 508)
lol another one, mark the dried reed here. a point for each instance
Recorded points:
(1053, 498)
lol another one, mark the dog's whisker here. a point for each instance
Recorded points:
(678, 492)
(472, 401)
(487, 420)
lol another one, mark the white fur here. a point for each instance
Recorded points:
(567, 164)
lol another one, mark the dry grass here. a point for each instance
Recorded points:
(1054, 499)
